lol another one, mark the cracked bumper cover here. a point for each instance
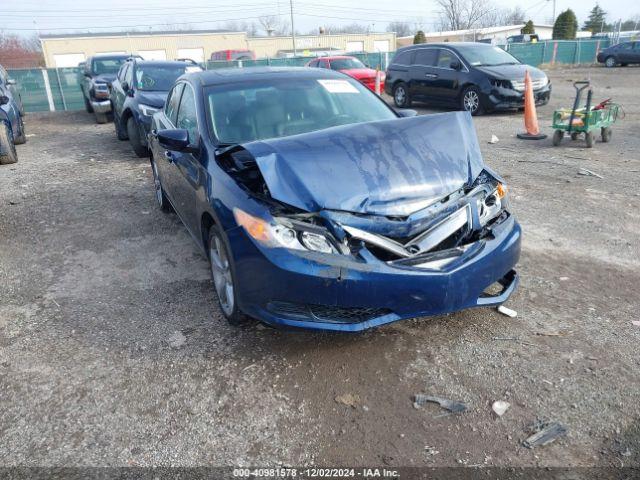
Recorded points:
(265, 276)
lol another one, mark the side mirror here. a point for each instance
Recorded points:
(11, 81)
(455, 65)
(174, 139)
(4, 99)
(406, 112)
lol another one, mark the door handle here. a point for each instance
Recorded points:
(168, 155)
(431, 75)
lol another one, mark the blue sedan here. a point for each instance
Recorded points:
(321, 207)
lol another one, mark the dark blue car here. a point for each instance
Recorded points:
(321, 207)
(138, 91)
(12, 131)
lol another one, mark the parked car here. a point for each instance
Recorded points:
(228, 55)
(99, 72)
(138, 91)
(12, 131)
(321, 207)
(523, 38)
(621, 54)
(471, 76)
(352, 67)
(10, 87)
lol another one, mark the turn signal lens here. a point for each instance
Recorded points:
(502, 190)
(256, 227)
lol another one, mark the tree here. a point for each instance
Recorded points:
(20, 52)
(528, 28)
(566, 26)
(596, 21)
(513, 17)
(402, 29)
(272, 25)
(419, 37)
(464, 14)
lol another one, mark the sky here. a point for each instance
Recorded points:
(27, 17)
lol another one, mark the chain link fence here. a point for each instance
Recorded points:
(54, 89)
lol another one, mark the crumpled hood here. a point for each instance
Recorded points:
(391, 167)
(104, 78)
(512, 72)
(153, 99)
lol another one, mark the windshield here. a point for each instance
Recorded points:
(486, 56)
(107, 65)
(280, 107)
(346, 63)
(160, 78)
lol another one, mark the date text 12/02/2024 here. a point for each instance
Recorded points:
(336, 473)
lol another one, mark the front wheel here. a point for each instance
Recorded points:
(87, 105)
(401, 96)
(223, 276)
(134, 138)
(8, 154)
(121, 133)
(470, 100)
(21, 138)
(610, 62)
(161, 198)
(101, 118)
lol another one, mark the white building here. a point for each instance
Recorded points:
(497, 35)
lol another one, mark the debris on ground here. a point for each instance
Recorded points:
(499, 407)
(636, 323)
(587, 172)
(550, 334)
(545, 434)
(348, 399)
(494, 139)
(451, 405)
(177, 339)
(431, 450)
(507, 311)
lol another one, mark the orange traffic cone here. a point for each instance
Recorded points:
(530, 116)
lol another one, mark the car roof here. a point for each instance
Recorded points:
(335, 57)
(228, 75)
(115, 55)
(453, 45)
(164, 63)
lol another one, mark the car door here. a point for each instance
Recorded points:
(423, 73)
(625, 52)
(118, 94)
(446, 85)
(635, 52)
(184, 168)
(163, 157)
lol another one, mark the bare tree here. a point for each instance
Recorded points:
(515, 16)
(402, 29)
(272, 25)
(463, 14)
(350, 28)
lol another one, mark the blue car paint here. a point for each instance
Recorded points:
(375, 168)
(200, 189)
(11, 113)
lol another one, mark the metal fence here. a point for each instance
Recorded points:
(53, 89)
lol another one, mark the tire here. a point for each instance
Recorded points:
(87, 105)
(574, 135)
(121, 133)
(101, 118)
(6, 140)
(134, 138)
(610, 62)
(590, 139)
(20, 139)
(557, 137)
(161, 197)
(605, 134)
(223, 276)
(401, 96)
(470, 101)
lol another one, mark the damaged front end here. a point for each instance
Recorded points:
(425, 251)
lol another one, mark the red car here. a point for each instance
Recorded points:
(352, 67)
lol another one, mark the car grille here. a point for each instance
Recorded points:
(536, 84)
(325, 313)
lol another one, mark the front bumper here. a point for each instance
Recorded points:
(101, 106)
(332, 292)
(508, 99)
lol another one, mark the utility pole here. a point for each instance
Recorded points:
(293, 30)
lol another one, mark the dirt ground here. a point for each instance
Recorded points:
(113, 351)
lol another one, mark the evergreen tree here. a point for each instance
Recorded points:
(596, 21)
(566, 26)
(528, 28)
(419, 37)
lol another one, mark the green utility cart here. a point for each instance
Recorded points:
(585, 120)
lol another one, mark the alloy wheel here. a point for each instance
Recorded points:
(157, 185)
(610, 62)
(221, 272)
(400, 96)
(471, 101)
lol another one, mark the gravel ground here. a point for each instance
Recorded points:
(113, 351)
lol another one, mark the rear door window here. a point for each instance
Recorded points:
(402, 58)
(425, 57)
(187, 117)
(445, 57)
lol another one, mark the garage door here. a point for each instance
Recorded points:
(68, 59)
(153, 54)
(381, 45)
(196, 54)
(355, 47)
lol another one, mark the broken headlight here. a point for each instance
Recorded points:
(491, 197)
(285, 233)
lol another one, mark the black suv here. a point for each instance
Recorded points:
(622, 54)
(140, 90)
(98, 73)
(471, 76)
